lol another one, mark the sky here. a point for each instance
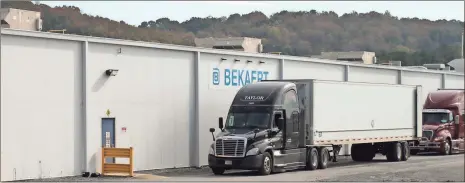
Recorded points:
(135, 12)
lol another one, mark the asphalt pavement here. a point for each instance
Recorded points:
(419, 168)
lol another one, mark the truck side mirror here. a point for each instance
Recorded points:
(220, 123)
(456, 119)
(211, 131)
(279, 121)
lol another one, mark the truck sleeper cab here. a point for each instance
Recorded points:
(269, 129)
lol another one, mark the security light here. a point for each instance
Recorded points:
(111, 72)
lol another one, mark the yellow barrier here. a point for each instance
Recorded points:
(114, 167)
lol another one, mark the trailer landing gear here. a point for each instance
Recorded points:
(336, 149)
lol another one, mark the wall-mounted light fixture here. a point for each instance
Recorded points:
(262, 62)
(111, 72)
(236, 60)
(223, 59)
(249, 61)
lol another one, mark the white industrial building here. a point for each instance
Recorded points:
(56, 99)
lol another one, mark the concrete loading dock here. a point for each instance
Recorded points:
(55, 98)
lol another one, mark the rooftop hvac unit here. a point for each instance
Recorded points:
(39, 24)
(435, 66)
(417, 67)
(260, 48)
(396, 63)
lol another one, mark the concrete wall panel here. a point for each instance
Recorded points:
(429, 81)
(151, 96)
(217, 93)
(372, 75)
(40, 108)
(309, 70)
(454, 81)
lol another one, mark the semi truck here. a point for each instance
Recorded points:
(279, 125)
(443, 123)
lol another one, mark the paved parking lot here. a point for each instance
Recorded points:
(417, 168)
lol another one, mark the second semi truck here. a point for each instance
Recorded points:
(274, 126)
(443, 123)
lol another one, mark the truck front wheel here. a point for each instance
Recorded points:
(447, 148)
(267, 164)
(218, 171)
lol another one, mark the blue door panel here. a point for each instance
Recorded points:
(108, 129)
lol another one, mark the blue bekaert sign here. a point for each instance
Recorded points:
(237, 77)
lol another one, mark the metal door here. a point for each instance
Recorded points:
(108, 136)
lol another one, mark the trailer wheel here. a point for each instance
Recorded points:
(218, 171)
(311, 162)
(323, 158)
(355, 152)
(394, 152)
(405, 151)
(267, 164)
(362, 152)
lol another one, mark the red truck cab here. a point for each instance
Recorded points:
(443, 123)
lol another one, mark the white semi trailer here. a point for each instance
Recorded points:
(273, 126)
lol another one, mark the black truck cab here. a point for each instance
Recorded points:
(254, 128)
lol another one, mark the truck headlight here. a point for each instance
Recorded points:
(212, 152)
(253, 151)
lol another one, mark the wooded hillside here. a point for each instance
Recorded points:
(411, 40)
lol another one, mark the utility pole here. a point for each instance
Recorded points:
(462, 42)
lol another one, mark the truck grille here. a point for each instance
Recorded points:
(230, 147)
(428, 134)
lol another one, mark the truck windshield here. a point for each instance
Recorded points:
(250, 120)
(431, 118)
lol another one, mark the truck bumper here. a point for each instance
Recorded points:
(246, 163)
(426, 145)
